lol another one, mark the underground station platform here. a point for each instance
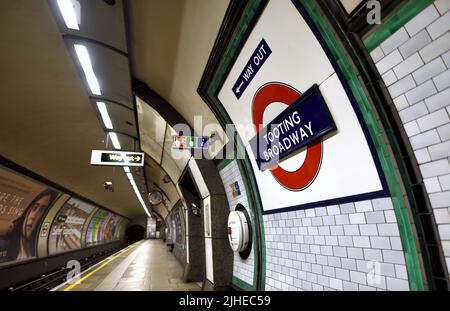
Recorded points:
(252, 149)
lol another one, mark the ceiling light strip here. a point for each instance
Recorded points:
(68, 12)
(85, 61)
(139, 197)
(115, 140)
(105, 115)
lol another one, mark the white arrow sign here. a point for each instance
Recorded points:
(117, 158)
(238, 89)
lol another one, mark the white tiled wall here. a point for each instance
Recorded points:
(415, 66)
(242, 268)
(354, 246)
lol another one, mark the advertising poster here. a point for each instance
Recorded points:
(178, 228)
(23, 204)
(110, 228)
(120, 229)
(91, 236)
(65, 234)
(101, 231)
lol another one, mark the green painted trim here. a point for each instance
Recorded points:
(242, 284)
(400, 206)
(233, 45)
(395, 22)
(224, 164)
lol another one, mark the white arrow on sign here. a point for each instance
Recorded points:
(238, 89)
(136, 157)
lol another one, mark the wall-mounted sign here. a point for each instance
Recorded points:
(258, 58)
(302, 123)
(235, 189)
(316, 170)
(190, 142)
(67, 227)
(117, 158)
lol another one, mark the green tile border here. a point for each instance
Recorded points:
(224, 163)
(395, 22)
(242, 284)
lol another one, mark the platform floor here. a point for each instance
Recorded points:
(144, 266)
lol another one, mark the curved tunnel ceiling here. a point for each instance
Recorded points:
(48, 103)
(170, 43)
(48, 122)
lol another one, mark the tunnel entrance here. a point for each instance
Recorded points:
(134, 233)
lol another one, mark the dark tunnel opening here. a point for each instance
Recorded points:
(134, 233)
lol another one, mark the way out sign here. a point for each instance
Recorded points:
(117, 158)
(258, 58)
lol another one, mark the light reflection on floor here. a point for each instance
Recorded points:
(148, 266)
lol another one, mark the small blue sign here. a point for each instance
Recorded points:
(252, 67)
(181, 142)
(302, 123)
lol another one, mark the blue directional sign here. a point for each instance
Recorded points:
(302, 123)
(258, 58)
(182, 142)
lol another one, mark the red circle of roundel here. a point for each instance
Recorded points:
(304, 176)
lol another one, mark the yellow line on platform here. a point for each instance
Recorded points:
(101, 266)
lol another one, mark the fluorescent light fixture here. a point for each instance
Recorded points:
(68, 12)
(139, 197)
(143, 205)
(105, 116)
(126, 169)
(130, 176)
(115, 140)
(133, 184)
(85, 61)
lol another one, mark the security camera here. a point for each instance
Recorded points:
(214, 136)
(108, 186)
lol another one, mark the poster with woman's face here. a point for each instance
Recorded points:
(23, 203)
(66, 230)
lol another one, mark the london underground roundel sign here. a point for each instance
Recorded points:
(238, 231)
(305, 175)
